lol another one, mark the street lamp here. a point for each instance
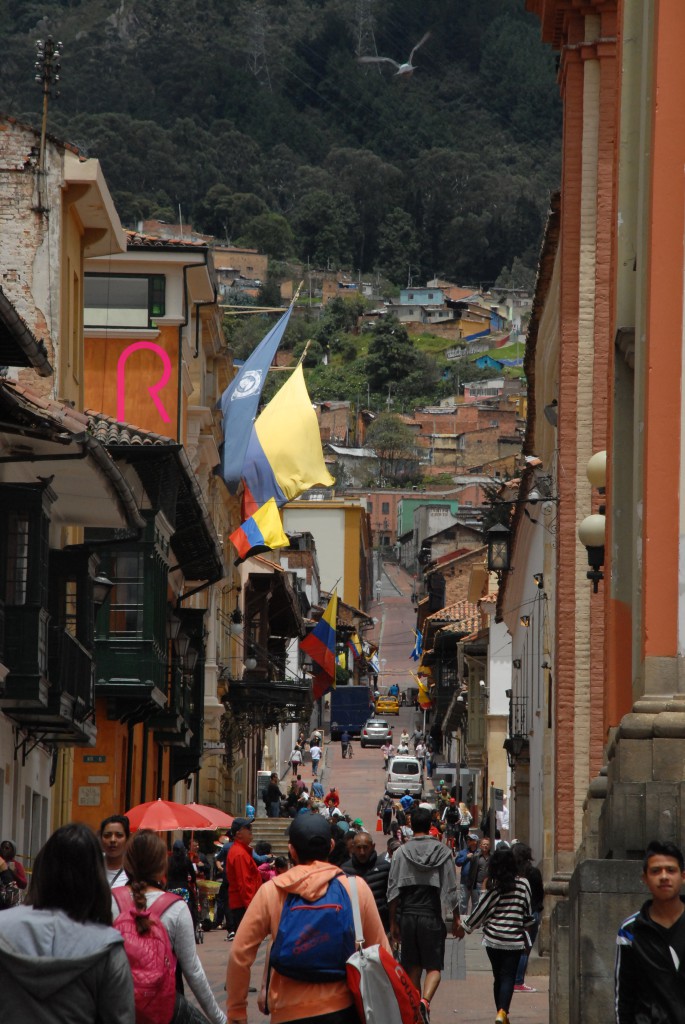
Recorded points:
(102, 587)
(592, 530)
(498, 549)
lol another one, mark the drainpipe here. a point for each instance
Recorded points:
(184, 323)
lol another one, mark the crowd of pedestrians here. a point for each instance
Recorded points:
(111, 923)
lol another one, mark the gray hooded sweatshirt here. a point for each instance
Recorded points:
(54, 970)
(424, 861)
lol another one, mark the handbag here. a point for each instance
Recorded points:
(10, 895)
(382, 990)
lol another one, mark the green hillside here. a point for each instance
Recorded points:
(255, 118)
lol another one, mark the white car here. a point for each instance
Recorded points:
(404, 774)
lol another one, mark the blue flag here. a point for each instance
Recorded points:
(240, 401)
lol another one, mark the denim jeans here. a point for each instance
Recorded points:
(523, 960)
(504, 963)
(467, 896)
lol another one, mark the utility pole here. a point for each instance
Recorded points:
(47, 67)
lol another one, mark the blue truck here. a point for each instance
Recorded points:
(349, 710)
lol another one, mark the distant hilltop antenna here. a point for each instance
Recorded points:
(366, 40)
(257, 61)
(48, 66)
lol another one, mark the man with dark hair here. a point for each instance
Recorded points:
(273, 796)
(650, 946)
(114, 833)
(291, 999)
(422, 882)
(365, 863)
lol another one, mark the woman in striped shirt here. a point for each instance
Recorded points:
(504, 913)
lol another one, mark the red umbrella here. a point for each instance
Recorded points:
(218, 819)
(165, 816)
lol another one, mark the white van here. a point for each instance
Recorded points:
(404, 774)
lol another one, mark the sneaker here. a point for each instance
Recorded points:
(502, 1017)
(230, 937)
(524, 988)
(425, 1009)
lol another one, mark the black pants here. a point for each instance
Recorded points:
(504, 964)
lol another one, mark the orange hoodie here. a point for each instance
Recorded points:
(291, 1000)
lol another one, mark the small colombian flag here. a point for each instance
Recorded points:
(261, 532)
(320, 643)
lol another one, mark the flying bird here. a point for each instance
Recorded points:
(402, 69)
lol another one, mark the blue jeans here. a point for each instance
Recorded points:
(315, 767)
(504, 963)
(274, 809)
(523, 960)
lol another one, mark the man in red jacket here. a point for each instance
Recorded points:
(241, 871)
(332, 796)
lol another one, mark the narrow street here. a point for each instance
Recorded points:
(360, 782)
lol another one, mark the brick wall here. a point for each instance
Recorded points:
(30, 254)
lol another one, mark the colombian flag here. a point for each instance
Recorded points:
(320, 643)
(355, 646)
(425, 700)
(284, 457)
(261, 532)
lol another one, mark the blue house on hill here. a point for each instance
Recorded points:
(488, 363)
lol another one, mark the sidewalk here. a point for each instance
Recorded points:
(456, 1002)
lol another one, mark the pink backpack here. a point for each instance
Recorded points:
(152, 960)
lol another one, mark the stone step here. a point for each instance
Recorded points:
(274, 831)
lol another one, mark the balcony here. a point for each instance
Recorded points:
(131, 676)
(56, 704)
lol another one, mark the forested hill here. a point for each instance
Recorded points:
(255, 117)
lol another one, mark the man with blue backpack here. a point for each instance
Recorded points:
(308, 913)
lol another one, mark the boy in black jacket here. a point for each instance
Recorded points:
(650, 957)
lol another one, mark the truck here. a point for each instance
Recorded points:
(350, 708)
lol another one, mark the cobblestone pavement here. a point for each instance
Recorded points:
(360, 782)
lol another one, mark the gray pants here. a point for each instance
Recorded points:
(468, 896)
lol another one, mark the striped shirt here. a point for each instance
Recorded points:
(502, 916)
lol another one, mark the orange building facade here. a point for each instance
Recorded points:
(603, 762)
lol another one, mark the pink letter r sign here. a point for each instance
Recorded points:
(153, 389)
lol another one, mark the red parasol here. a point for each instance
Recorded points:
(166, 816)
(217, 818)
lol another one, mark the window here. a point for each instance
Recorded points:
(123, 300)
(16, 582)
(385, 508)
(126, 601)
(369, 507)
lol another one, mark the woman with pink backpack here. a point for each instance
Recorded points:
(158, 932)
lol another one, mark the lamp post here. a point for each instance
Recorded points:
(499, 554)
(592, 530)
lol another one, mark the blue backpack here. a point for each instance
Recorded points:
(315, 939)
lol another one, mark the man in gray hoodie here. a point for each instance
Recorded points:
(422, 882)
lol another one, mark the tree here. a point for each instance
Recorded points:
(394, 444)
(391, 354)
(270, 233)
(398, 247)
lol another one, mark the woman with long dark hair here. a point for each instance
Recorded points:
(504, 914)
(61, 962)
(145, 863)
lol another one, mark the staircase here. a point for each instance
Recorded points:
(274, 831)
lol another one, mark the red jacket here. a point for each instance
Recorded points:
(332, 796)
(243, 876)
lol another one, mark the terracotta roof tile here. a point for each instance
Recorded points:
(137, 240)
(110, 431)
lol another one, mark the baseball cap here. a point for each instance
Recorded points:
(358, 821)
(239, 823)
(472, 835)
(310, 834)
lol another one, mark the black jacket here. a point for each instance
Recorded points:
(650, 989)
(375, 873)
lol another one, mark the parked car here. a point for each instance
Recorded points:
(375, 733)
(387, 705)
(404, 774)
